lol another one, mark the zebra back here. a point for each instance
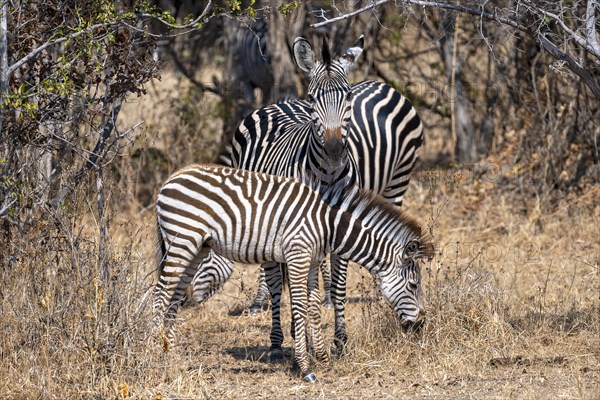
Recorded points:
(385, 135)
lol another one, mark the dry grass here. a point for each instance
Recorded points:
(512, 297)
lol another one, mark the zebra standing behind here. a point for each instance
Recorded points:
(366, 134)
(252, 217)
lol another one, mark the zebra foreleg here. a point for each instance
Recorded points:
(298, 270)
(339, 269)
(326, 284)
(314, 315)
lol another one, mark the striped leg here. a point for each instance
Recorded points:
(339, 269)
(262, 294)
(179, 267)
(314, 315)
(298, 270)
(326, 284)
(274, 281)
(210, 276)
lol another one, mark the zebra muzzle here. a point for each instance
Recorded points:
(412, 326)
(335, 150)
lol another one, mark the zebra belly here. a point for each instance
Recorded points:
(262, 248)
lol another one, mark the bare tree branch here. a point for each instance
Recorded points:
(589, 43)
(590, 23)
(583, 42)
(424, 3)
(34, 53)
(96, 154)
(573, 65)
(51, 42)
(350, 14)
(4, 76)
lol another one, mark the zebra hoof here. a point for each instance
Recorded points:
(340, 341)
(276, 355)
(310, 378)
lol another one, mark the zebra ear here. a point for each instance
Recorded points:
(303, 54)
(349, 59)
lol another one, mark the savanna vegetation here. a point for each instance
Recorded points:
(102, 100)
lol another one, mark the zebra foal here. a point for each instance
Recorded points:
(253, 217)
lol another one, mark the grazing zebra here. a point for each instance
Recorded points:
(252, 65)
(253, 217)
(366, 134)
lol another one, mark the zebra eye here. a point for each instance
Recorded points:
(349, 96)
(410, 250)
(310, 98)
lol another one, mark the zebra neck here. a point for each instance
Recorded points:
(353, 240)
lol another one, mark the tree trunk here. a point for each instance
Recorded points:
(284, 69)
(462, 123)
(3, 66)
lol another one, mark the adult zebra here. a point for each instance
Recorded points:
(252, 64)
(366, 134)
(252, 217)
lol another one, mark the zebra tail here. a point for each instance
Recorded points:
(284, 276)
(161, 251)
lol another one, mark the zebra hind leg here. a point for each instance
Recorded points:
(171, 289)
(262, 295)
(326, 284)
(212, 272)
(274, 280)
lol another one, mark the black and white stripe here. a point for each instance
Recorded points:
(366, 134)
(251, 217)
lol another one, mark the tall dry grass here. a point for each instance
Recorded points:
(66, 333)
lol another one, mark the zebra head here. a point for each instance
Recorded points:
(329, 94)
(401, 284)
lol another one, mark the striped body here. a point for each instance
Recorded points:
(383, 143)
(251, 217)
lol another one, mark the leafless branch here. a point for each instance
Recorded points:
(589, 43)
(590, 23)
(92, 161)
(189, 25)
(583, 42)
(424, 3)
(52, 42)
(573, 65)
(6, 206)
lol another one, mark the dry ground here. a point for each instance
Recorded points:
(513, 300)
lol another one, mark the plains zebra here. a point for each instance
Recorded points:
(366, 134)
(253, 217)
(251, 64)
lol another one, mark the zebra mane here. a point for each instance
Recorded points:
(326, 52)
(372, 209)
